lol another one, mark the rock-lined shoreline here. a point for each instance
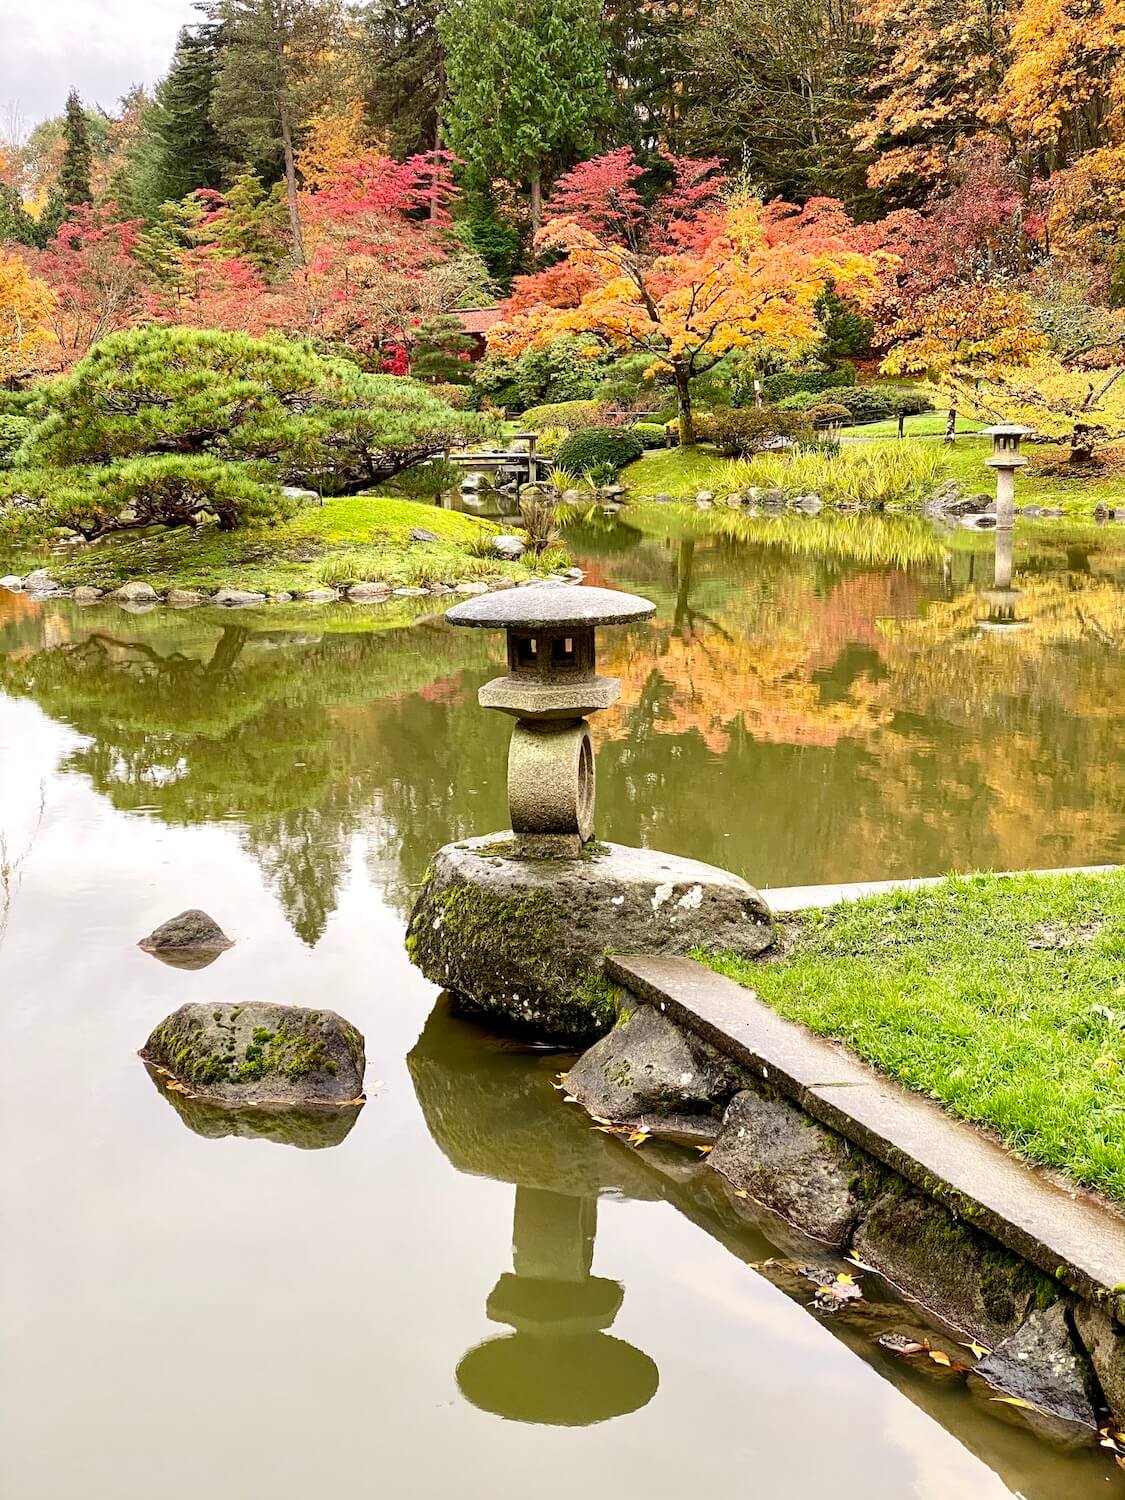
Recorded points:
(139, 595)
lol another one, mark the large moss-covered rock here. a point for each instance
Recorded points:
(953, 1269)
(525, 940)
(772, 1150)
(1042, 1363)
(648, 1065)
(260, 1054)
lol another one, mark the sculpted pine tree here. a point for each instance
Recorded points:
(275, 69)
(526, 87)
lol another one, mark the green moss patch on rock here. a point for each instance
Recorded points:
(260, 1054)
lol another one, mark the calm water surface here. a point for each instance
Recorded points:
(473, 1294)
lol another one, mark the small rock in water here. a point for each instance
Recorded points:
(365, 593)
(320, 596)
(420, 534)
(238, 598)
(411, 593)
(86, 594)
(260, 1054)
(471, 588)
(281, 598)
(135, 593)
(191, 940)
(571, 496)
(39, 581)
(11, 582)
(182, 598)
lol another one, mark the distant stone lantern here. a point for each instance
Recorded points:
(1002, 599)
(550, 688)
(1006, 459)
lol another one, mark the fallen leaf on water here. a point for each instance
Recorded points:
(939, 1358)
(855, 1260)
(639, 1137)
(978, 1351)
(601, 1120)
(1119, 1461)
(741, 1193)
(569, 1099)
(703, 1150)
(1013, 1401)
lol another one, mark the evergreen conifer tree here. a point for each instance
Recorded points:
(72, 187)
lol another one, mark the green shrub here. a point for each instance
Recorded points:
(740, 431)
(828, 411)
(16, 403)
(13, 430)
(701, 422)
(867, 403)
(550, 440)
(908, 400)
(568, 414)
(315, 421)
(651, 434)
(164, 491)
(793, 382)
(599, 449)
(869, 474)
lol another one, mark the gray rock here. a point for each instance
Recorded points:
(135, 593)
(320, 596)
(237, 598)
(576, 574)
(772, 1150)
(571, 496)
(12, 582)
(511, 547)
(705, 495)
(365, 593)
(525, 940)
(471, 588)
(411, 593)
(295, 492)
(472, 482)
(86, 594)
(1041, 1364)
(953, 1269)
(39, 581)
(260, 1054)
(1104, 1340)
(190, 932)
(184, 598)
(420, 534)
(282, 597)
(648, 1064)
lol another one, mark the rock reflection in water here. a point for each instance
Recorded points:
(493, 1112)
(312, 1129)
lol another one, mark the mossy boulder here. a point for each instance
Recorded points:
(190, 940)
(646, 1065)
(258, 1054)
(524, 940)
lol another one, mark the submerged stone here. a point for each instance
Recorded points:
(260, 1054)
(772, 1150)
(525, 939)
(192, 935)
(1040, 1363)
(308, 1128)
(646, 1064)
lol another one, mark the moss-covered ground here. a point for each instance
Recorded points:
(1047, 481)
(341, 541)
(1003, 998)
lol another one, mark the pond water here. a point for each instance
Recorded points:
(471, 1293)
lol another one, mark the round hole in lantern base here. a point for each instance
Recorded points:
(551, 686)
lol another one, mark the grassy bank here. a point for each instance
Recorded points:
(1004, 999)
(342, 541)
(681, 473)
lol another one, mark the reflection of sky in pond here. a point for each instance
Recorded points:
(224, 1314)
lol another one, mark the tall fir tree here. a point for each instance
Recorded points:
(182, 150)
(72, 186)
(404, 73)
(526, 88)
(649, 60)
(275, 69)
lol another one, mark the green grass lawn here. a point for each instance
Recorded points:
(1004, 999)
(350, 540)
(925, 424)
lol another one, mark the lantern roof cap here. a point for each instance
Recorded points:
(1007, 429)
(544, 605)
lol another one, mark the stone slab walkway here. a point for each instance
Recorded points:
(1064, 1232)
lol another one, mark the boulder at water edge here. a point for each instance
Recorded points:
(525, 940)
(279, 1055)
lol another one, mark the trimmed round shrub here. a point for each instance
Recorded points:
(13, 430)
(828, 411)
(794, 382)
(599, 449)
(745, 430)
(908, 400)
(867, 403)
(651, 434)
(569, 414)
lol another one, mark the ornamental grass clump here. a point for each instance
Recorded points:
(873, 475)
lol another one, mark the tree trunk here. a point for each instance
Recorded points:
(1081, 444)
(291, 184)
(901, 425)
(951, 424)
(437, 148)
(683, 397)
(536, 202)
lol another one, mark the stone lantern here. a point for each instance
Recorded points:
(550, 688)
(1002, 599)
(1006, 459)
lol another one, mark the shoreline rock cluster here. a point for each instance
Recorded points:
(137, 595)
(1062, 1355)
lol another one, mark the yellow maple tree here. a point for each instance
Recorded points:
(26, 304)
